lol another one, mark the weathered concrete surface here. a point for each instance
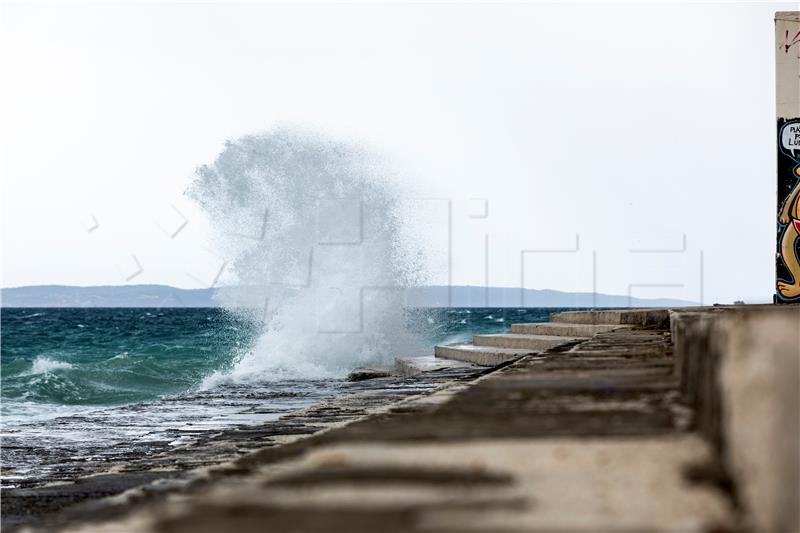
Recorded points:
(480, 355)
(181, 464)
(619, 383)
(24, 503)
(696, 367)
(760, 380)
(483, 485)
(496, 349)
(635, 317)
(538, 343)
(787, 65)
(564, 329)
(740, 369)
(591, 437)
(414, 366)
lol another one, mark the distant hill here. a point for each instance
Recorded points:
(435, 296)
(107, 296)
(468, 296)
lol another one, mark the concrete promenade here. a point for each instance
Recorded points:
(633, 420)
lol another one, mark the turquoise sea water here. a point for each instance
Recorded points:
(89, 383)
(113, 356)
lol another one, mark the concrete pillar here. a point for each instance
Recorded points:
(787, 85)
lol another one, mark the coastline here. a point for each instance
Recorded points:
(180, 465)
(661, 420)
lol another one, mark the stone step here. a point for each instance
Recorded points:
(413, 366)
(633, 317)
(537, 343)
(479, 355)
(564, 329)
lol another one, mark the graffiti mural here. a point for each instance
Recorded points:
(788, 257)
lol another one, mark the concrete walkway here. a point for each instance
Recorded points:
(637, 428)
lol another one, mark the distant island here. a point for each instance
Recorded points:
(432, 296)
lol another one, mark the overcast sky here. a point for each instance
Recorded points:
(632, 129)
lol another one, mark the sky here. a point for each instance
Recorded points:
(624, 148)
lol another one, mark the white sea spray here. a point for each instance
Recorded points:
(320, 247)
(44, 365)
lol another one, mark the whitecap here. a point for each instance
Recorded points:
(43, 365)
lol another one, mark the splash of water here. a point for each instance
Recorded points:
(44, 365)
(319, 251)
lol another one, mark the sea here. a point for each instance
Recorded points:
(90, 384)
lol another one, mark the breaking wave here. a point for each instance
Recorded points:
(43, 365)
(319, 249)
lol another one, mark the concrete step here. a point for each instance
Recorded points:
(564, 329)
(633, 317)
(479, 355)
(413, 366)
(537, 343)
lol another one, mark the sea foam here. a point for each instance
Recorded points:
(43, 365)
(318, 248)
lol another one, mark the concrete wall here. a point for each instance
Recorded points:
(787, 64)
(740, 370)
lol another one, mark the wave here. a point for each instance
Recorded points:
(122, 358)
(43, 365)
(314, 232)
